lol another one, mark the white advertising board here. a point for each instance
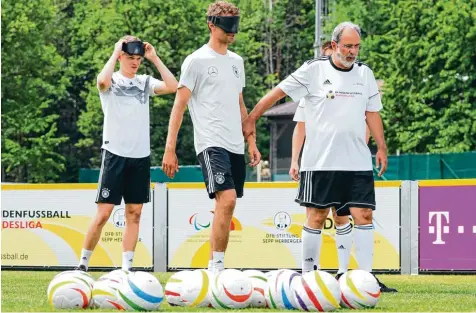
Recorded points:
(45, 225)
(266, 228)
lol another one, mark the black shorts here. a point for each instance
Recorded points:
(123, 177)
(339, 189)
(222, 170)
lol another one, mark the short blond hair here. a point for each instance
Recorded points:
(130, 38)
(222, 8)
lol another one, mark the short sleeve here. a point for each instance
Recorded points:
(299, 114)
(298, 83)
(154, 83)
(242, 75)
(189, 74)
(374, 103)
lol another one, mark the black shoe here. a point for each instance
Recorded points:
(383, 287)
(338, 276)
(81, 268)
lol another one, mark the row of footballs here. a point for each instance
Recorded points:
(230, 289)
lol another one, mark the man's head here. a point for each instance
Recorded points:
(223, 19)
(131, 54)
(346, 43)
(326, 49)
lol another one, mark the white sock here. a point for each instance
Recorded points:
(364, 246)
(311, 248)
(85, 255)
(343, 245)
(218, 261)
(127, 258)
(210, 265)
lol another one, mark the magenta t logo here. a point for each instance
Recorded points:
(439, 228)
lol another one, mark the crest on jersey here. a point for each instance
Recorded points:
(235, 71)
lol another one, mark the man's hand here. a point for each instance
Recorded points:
(170, 163)
(381, 161)
(149, 51)
(255, 155)
(294, 171)
(249, 127)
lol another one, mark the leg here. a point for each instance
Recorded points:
(362, 204)
(210, 259)
(343, 241)
(131, 234)
(225, 205)
(318, 191)
(136, 193)
(364, 237)
(109, 194)
(94, 233)
(312, 238)
(217, 169)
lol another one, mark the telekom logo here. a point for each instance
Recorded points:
(439, 227)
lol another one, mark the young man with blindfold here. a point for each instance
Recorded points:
(211, 83)
(125, 162)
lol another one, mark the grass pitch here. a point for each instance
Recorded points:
(26, 292)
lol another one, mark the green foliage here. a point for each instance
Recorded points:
(33, 82)
(424, 51)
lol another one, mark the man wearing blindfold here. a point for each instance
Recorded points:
(211, 83)
(125, 162)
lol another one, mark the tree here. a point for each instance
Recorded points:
(424, 51)
(34, 82)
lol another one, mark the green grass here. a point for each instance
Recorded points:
(26, 292)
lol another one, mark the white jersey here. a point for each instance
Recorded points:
(299, 114)
(216, 82)
(335, 102)
(126, 115)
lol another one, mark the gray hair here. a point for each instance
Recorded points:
(337, 33)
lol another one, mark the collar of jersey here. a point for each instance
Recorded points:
(214, 52)
(126, 78)
(340, 69)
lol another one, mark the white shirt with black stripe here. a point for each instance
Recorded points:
(334, 105)
(125, 105)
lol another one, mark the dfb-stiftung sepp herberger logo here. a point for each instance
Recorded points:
(440, 224)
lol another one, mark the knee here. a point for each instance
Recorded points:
(363, 217)
(228, 201)
(133, 214)
(103, 214)
(341, 220)
(316, 218)
(101, 219)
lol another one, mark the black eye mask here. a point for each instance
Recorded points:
(134, 48)
(228, 23)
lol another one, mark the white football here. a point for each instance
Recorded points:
(230, 289)
(174, 288)
(259, 283)
(141, 291)
(359, 290)
(195, 288)
(69, 291)
(317, 291)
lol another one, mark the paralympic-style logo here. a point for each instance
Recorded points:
(201, 221)
(193, 220)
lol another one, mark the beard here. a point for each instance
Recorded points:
(343, 59)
